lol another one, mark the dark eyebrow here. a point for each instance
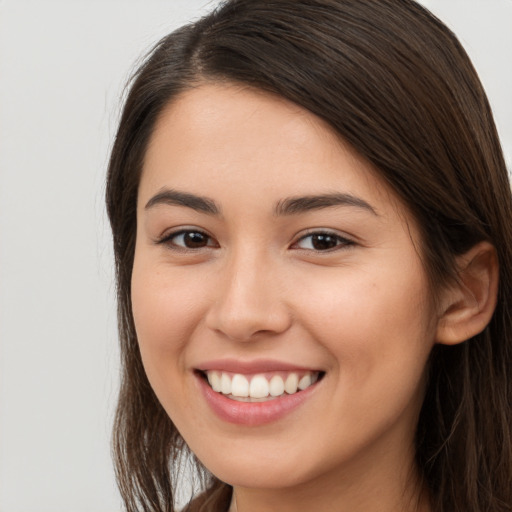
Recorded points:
(175, 198)
(295, 205)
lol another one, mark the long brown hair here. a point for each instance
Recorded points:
(396, 84)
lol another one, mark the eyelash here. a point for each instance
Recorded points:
(170, 238)
(340, 241)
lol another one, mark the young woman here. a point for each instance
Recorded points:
(312, 228)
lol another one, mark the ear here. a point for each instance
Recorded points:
(468, 304)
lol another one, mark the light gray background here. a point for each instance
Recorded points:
(62, 68)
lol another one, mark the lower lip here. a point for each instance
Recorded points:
(253, 413)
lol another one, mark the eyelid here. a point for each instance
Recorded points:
(167, 238)
(345, 240)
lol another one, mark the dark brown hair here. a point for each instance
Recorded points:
(396, 84)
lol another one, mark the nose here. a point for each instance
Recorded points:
(249, 301)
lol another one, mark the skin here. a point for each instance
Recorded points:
(258, 288)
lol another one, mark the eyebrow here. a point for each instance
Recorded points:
(288, 206)
(175, 198)
(296, 205)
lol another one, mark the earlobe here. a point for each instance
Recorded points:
(468, 305)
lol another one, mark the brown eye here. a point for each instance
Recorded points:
(189, 239)
(195, 240)
(322, 242)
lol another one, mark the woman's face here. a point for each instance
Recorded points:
(270, 257)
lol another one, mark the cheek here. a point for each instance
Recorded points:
(378, 336)
(166, 310)
(164, 302)
(379, 330)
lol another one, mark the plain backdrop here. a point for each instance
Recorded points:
(62, 69)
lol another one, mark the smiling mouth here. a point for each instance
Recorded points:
(260, 387)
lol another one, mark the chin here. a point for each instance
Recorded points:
(258, 473)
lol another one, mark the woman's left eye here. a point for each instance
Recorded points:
(322, 242)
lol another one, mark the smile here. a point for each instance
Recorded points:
(254, 393)
(260, 387)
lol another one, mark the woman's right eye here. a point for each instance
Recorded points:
(188, 239)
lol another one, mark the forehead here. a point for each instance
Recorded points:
(222, 137)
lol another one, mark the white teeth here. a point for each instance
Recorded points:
(259, 387)
(291, 384)
(214, 380)
(305, 382)
(276, 386)
(240, 386)
(225, 384)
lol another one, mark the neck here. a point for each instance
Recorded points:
(245, 500)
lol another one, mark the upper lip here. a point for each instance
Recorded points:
(250, 367)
